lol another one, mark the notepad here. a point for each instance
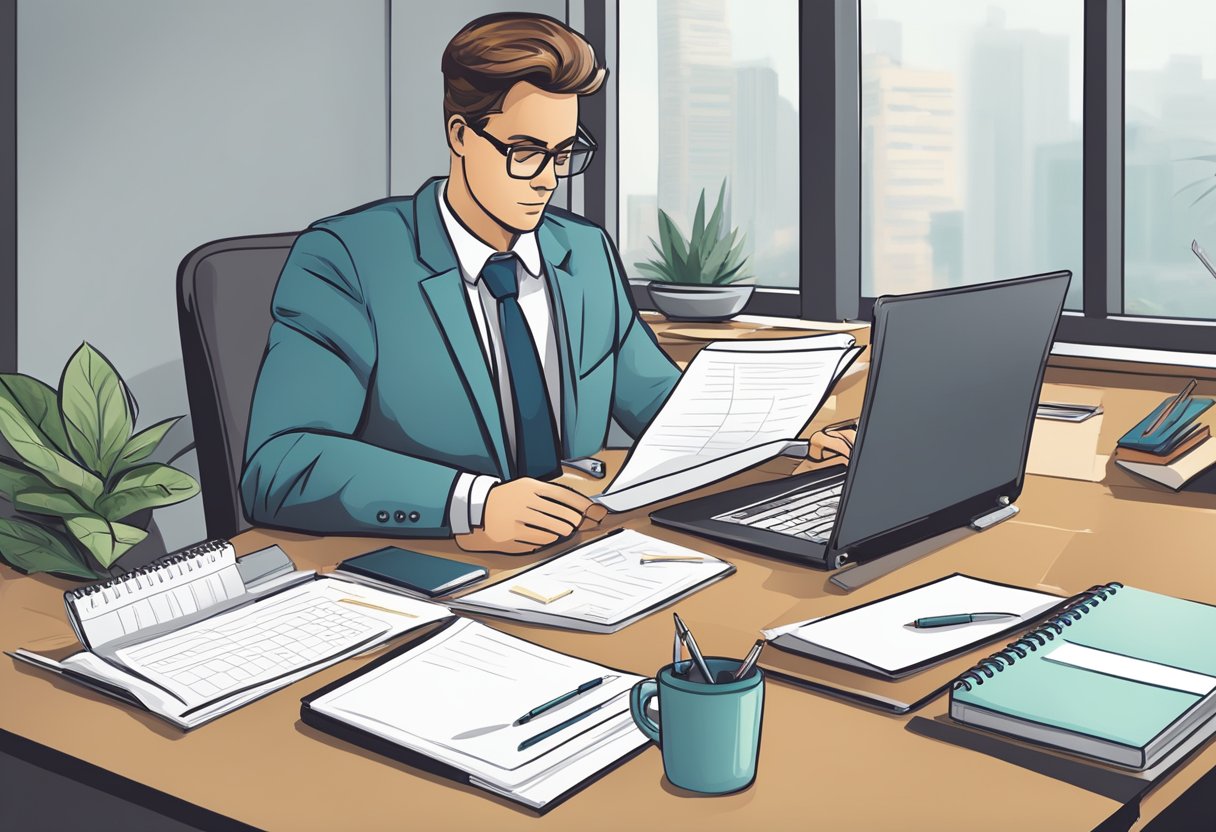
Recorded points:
(1123, 675)
(609, 585)
(454, 698)
(874, 638)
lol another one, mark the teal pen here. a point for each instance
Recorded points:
(553, 703)
(561, 726)
(959, 618)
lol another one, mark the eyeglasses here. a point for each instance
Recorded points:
(525, 161)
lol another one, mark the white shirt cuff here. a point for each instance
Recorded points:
(477, 498)
(468, 501)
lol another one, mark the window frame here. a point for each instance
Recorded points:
(830, 181)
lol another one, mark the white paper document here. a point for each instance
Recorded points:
(876, 636)
(738, 404)
(610, 584)
(456, 697)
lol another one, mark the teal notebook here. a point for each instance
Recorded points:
(1123, 675)
(1178, 421)
(411, 573)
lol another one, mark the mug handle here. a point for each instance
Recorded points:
(639, 697)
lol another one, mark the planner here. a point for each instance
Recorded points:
(601, 586)
(188, 640)
(1122, 675)
(410, 573)
(448, 703)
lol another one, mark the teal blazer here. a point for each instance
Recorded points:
(374, 392)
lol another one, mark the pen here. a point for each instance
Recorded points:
(553, 703)
(561, 726)
(370, 606)
(677, 653)
(672, 559)
(753, 656)
(693, 650)
(959, 618)
(1165, 414)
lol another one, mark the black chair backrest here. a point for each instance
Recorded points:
(224, 290)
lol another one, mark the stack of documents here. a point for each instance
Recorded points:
(189, 642)
(601, 586)
(454, 699)
(1170, 445)
(737, 405)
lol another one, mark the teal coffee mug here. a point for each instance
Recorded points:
(709, 734)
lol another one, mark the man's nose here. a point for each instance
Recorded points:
(546, 179)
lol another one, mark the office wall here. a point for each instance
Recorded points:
(146, 128)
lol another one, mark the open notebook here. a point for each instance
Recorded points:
(188, 640)
(737, 405)
(448, 703)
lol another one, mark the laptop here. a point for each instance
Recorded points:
(941, 443)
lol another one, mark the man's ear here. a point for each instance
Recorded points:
(457, 131)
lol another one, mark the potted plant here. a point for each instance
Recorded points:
(693, 279)
(80, 486)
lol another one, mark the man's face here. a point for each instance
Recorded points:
(530, 118)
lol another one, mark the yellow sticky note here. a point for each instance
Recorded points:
(541, 590)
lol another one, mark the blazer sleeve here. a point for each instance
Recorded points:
(304, 468)
(645, 375)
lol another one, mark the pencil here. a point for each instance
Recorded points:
(1165, 414)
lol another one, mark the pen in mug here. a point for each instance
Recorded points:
(753, 656)
(693, 650)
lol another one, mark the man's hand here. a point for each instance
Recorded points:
(525, 514)
(832, 441)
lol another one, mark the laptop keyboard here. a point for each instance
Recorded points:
(808, 512)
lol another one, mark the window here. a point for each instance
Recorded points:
(709, 91)
(971, 143)
(1169, 158)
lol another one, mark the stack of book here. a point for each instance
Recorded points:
(1170, 445)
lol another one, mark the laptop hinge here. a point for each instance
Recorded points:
(990, 519)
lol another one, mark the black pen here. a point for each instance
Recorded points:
(693, 650)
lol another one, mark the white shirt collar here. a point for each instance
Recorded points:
(472, 253)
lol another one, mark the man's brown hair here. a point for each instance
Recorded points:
(490, 55)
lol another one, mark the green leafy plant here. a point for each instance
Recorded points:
(80, 469)
(709, 257)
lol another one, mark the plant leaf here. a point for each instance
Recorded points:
(1198, 159)
(147, 486)
(30, 547)
(58, 470)
(713, 230)
(655, 270)
(14, 479)
(106, 541)
(46, 501)
(716, 258)
(698, 222)
(1202, 195)
(96, 409)
(675, 252)
(38, 402)
(140, 445)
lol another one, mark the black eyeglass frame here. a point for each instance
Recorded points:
(550, 155)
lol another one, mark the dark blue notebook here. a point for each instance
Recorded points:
(413, 573)
(1179, 420)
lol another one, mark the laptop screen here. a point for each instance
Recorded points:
(954, 382)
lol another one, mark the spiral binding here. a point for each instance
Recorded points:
(184, 556)
(996, 663)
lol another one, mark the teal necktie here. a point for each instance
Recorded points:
(536, 447)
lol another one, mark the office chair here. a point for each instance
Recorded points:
(224, 290)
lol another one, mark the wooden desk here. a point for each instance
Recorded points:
(824, 764)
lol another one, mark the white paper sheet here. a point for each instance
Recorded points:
(734, 399)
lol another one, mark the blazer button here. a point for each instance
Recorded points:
(414, 516)
(382, 516)
(399, 516)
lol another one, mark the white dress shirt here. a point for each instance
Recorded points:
(468, 497)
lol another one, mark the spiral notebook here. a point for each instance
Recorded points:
(1122, 675)
(187, 639)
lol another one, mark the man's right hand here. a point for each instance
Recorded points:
(525, 514)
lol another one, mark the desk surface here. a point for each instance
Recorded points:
(822, 761)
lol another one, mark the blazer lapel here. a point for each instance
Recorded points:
(568, 320)
(448, 300)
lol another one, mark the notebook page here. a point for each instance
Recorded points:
(736, 396)
(456, 696)
(878, 634)
(168, 591)
(250, 645)
(609, 581)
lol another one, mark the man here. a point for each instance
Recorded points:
(433, 358)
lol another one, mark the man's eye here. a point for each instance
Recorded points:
(563, 158)
(527, 154)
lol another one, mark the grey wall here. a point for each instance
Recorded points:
(147, 127)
